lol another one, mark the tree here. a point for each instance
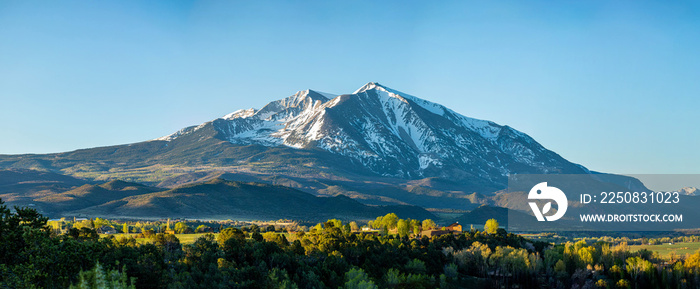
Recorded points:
(622, 283)
(585, 255)
(148, 233)
(56, 226)
(356, 278)
(415, 227)
(402, 228)
(390, 221)
(451, 271)
(693, 261)
(354, 227)
(428, 224)
(636, 266)
(276, 238)
(416, 266)
(560, 268)
(99, 223)
(280, 279)
(98, 278)
(84, 224)
(201, 229)
(125, 228)
(182, 228)
(230, 233)
(334, 223)
(256, 236)
(491, 226)
(376, 224)
(12, 229)
(168, 241)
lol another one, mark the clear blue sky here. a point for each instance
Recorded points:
(613, 85)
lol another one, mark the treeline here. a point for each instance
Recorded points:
(145, 227)
(645, 240)
(330, 255)
(631, 238)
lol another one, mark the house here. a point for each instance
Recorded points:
(434, 232)
(455, 227)
(368, 231)
(207, 230)
(106, 230)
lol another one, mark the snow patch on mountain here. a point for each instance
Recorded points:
(426, 160)
(241, 113)
(179, 133)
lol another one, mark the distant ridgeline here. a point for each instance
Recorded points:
(57, 196)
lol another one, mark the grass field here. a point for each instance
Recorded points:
(666, 249)
(184, 238)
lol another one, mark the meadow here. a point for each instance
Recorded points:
(185, 239)
(665, 250)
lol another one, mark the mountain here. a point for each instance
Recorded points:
(392, 134)
(20, 187)
(15, 177)
(480, 215)
(377, 145)
(91, 195)
(215, 199)
(56, 195)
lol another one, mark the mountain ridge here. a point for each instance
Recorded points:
(216, 198)
(377, 145)
(391, 133)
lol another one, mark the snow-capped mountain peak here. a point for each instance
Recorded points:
(368, 86)
(390, 133)
(430, 106)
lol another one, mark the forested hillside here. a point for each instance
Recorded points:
(330, 255)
